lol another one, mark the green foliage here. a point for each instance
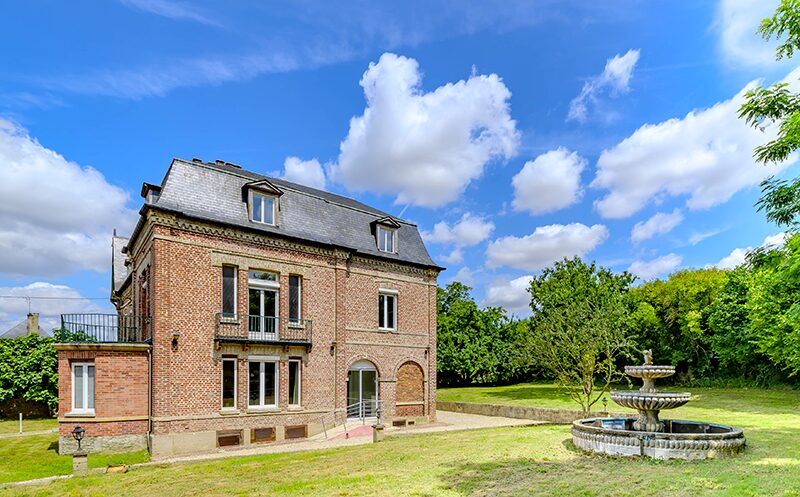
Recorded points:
(579, 326)
(475, 345)
(774, 305)
(66, 336)
(780, 199)
(29, 370)
(671, 318)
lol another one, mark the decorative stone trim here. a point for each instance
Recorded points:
(89, 419)
(122, 346)
(248, 413)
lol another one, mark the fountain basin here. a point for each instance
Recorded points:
(650, 401)
(690, 440)
(648, 371)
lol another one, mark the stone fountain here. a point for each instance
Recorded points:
(647, 435)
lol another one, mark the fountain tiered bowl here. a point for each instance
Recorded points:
(647, 435)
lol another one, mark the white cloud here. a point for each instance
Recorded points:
(56, 217)
(648, 270)
(304, 172)
(738, 256)
(698, 236)
(550, 182)
(707, 155)
(468, 231)
(545, 245)
(61, 300)
(614, 80)
(736, 22)
(659, 224)
(511, 295)
(425, 148)
(173, 10)
(454, 257)
(465, 276)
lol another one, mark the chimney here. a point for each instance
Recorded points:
(33, 323)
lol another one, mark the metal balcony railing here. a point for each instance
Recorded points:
(251, 328)
(104, 328)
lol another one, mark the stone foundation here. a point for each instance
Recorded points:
(110, 444)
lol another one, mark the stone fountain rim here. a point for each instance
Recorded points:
(734, 432)
(650, 368)
(628, 394)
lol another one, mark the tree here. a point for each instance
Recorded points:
(780, 199)
(474, 345)
(579, 327)
(671, 319)
(29, 370)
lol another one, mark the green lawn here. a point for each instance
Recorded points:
(536, 460)
(35, 456)
(39, 424)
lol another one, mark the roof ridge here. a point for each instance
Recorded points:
(215, 167)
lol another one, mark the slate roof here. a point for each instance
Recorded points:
(119, 271)
(20, 330)
(213, 192)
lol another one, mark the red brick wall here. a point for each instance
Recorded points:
(410, 388)
(339, 295)
(121, 390)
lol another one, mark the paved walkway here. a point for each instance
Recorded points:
(360, 435)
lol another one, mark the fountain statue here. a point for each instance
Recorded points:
(646, 434)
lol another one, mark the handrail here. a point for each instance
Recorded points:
(104, 328)
(252, 327)
(361, 410)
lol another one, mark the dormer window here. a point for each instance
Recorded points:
(262, 208)
(262, 201)
(385, 230)
(386, 239)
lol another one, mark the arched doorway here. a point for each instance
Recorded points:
(362, 390)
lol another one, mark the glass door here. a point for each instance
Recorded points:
(263, 311)
(362, 391)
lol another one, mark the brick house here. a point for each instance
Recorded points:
(251, 310)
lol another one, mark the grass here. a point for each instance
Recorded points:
(38, 424)
(35, 456)
(531, 461)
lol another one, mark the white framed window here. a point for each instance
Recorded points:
(387, 310)
(294, 382)
(262, 383)
(386, 239)
(83, 388)
(229, 376)
(229, 279)
(263, 208)
(295, 298)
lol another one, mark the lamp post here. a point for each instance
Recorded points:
(77, 434)
(80, 463)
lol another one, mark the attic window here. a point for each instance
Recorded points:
(262, 208)
(386, 238)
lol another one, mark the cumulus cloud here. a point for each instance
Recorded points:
(706, 155)
(659, 224)
(738, 256)
(56, 217)
(465, 276)
(614, 80)
(61, 299)
(469, 230)
(304, 172)
(736, 23)
(545, 245)
(456, 256)
(424, 148)
(648, 270)
(550, 182)
(511, 295)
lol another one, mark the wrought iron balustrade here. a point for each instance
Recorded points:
(104, 328)
(253, 328)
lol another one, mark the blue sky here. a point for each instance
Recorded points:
(513, 133)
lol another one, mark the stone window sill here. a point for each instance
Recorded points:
(229, 412)
(263, 410)
(79, 414)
